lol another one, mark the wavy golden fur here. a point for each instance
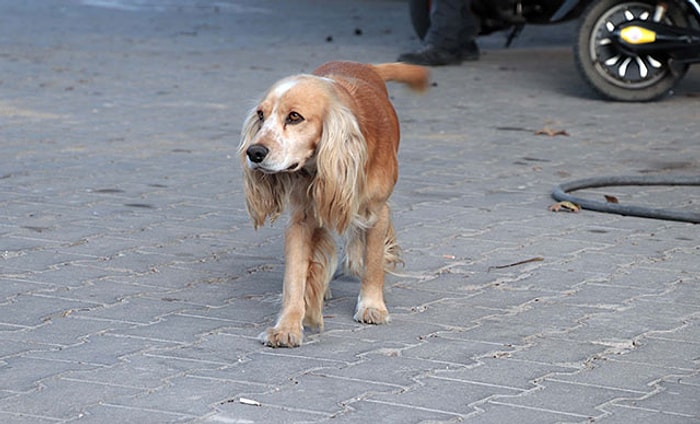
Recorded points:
(325, 146)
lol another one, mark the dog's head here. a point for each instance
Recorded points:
(282, 133)
(303, 122)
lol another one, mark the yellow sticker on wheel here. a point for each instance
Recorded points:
(637, 35)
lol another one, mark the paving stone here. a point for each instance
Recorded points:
(649, 352)
(675, 399)
(175, 328)
(12, 288)
(267, 370)
(635, 378)
(107, 292)
(327, 394)
(41, 260)
(557, 349)
(369, 409)
(134, 310)
(557, 397)
(140, 370)
(499, 371)
(629, 323)
(74, 395)
(24, 373)
(34, 309)
(450, 352)
(70, 275)
(233, 410)
(11, 418)
(625, 414)
(456, 397)
(187, 395)
(490, 412)
(101, 349)
(105, 413)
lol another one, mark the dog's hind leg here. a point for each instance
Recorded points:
(370, 303)
(324, 260)
(356, 243)
(392, 251)
(355, 250)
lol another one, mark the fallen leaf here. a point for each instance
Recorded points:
(551, 132)
(565, 206)
(611, 199)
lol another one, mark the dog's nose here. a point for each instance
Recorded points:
(256, 153)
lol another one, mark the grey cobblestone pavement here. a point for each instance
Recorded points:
(133, 285)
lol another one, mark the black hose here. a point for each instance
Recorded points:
(560, 194)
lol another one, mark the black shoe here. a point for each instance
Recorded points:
(470, 52)
(432, 56)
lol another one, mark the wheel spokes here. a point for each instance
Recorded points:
(624, 68)
(643, 70)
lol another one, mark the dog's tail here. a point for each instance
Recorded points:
(414, 76)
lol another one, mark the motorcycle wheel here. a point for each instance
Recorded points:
(420, 16)
(618, 75)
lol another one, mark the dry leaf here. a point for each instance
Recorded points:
(565, 206)
(551, 132)
(611, 199)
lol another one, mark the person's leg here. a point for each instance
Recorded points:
(450, 38)
(445, 24)
(469, 31)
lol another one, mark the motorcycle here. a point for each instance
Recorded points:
(626, 50)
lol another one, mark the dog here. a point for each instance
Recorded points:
(325, 146)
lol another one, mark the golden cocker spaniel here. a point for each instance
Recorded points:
(325, 144)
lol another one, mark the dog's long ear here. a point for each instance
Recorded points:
(265, 194)
(341, 157)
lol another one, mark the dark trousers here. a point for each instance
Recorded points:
(452, 25)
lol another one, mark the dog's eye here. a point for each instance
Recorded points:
(261, 115)
(294, 118)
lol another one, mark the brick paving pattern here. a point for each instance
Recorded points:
(133, 287)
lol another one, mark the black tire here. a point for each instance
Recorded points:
(420, 16)
(617, 75)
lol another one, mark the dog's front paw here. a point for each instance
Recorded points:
(282, 337)
(371, 314)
